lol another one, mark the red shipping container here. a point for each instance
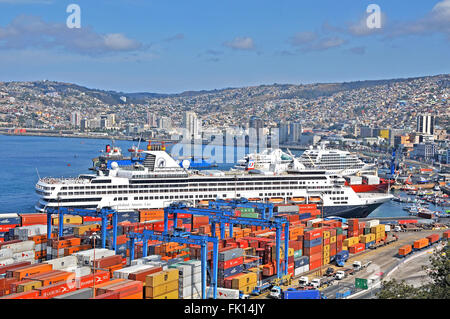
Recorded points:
(326, 241)
(308, 251)
(313, 234)
(357, 248)
(433, 238)
(108, 295)
(126, 289)
(141, 275)
(56, 290)
(6, 228)
(315, 257)
(33, 219)
(91, 219)
(88, 281)
(446, 234)
(231, 263)
(108, 261)
(33, 294)
(315, 264)
(305, 207)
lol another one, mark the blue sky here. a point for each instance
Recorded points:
(173, 46)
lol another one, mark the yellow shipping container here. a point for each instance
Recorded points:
(326, 248)
(69, 219)
(80, 230)
(161, 289)
(161, 277)
(326, 234)
(248, 289)
(351, 241)
(28, 286)
(367, 238)
(326, 260)
(377, 229)
(244, 280)
(326, 254)
(169, 295)
(290, 252)
(332, 240)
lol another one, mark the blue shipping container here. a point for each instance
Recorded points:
(301, 294)
(312, 243)
(301, 261)
(304, 216)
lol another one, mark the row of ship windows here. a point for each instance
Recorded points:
(212, 196)
(184, 185)
(191, 190)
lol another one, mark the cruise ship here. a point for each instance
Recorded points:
(159, 180)
(334, 161)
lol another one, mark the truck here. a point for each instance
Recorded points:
(341, 257)
(357, 265)
(303, 281)
(261, 288)
(340, 275)
(330, 272)
(292, 293)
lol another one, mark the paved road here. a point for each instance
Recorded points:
(383, 259)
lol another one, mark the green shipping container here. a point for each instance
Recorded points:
(298, 253)
(339, 231)
(249, 215)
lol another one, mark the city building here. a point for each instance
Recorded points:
(75, 119)
(425, 124)
(192, 124)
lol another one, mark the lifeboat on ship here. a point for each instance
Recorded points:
(203, 203)
(314, 199)
(298, 200)
(254, 199)
(276, 200)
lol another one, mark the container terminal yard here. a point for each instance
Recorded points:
(222, 249)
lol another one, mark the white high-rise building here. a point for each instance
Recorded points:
(75, 119)
(192, 124)
(425, 124)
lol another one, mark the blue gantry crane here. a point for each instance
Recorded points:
(222, 217)
(183, 238)
(99, 213)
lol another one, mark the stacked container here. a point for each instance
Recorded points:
(312, 247)
(379, 231)
(353, 228)
(190, 277)
(162, 285)
(231, 263)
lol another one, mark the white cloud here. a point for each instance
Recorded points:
(241, 43)
(27, 31)
(300, 38)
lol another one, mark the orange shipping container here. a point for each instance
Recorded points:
(33, 294)
(421, 243)
(28, 271)
(404, 250)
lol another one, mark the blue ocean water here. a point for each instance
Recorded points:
(22, 158)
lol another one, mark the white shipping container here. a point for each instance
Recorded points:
(223, 293)
(24, 255)
(6, 262)
(22, 246)
(32, 230)
(298, 271)
(189, 290)
(40, 247)
(195, 296)
(63, 262)
(183, 270)
(6, 253)
(372, 223)
(86, 257)
(189, 280)
(387, 227)
(124, 272)
(309, 223)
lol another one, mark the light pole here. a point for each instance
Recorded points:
(94, 236)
